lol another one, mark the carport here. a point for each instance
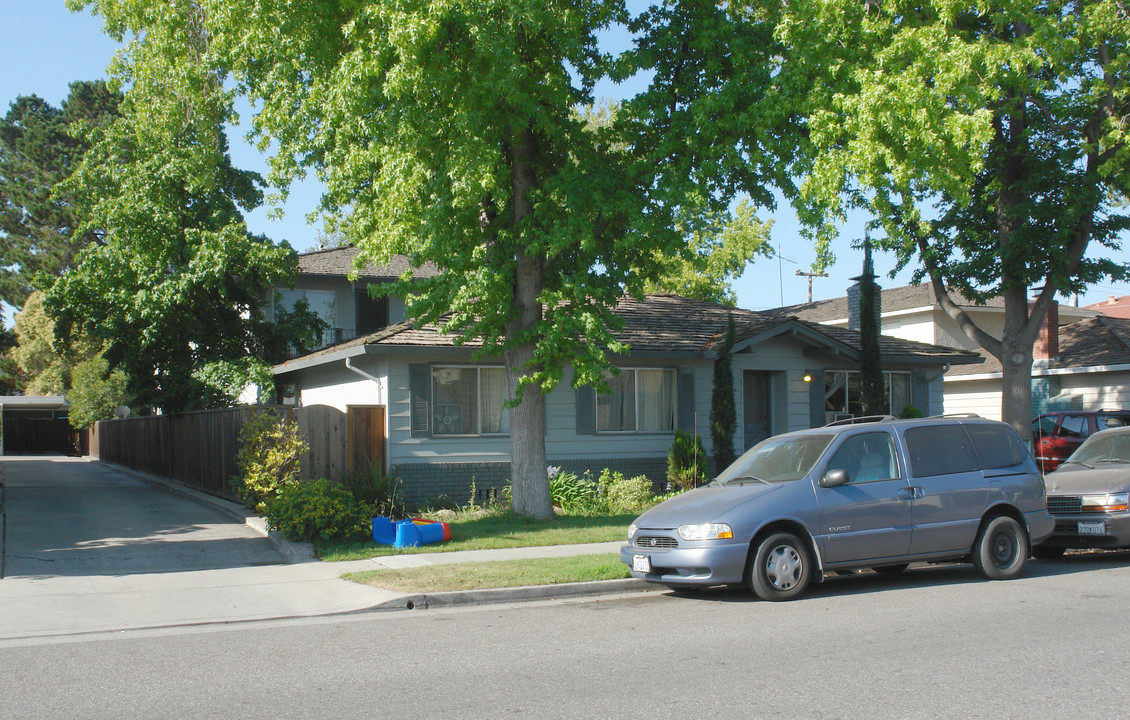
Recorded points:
(35, 425)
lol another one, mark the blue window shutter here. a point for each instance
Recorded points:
(685, 410)
(920, 392)
(420, 392)
(586, 410)
(816, 400)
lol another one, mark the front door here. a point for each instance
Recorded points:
(755, 406)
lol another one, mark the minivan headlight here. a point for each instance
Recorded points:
(1107, 502)
(632, 530)
(706, 531)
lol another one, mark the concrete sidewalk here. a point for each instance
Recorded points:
(54, 606)
(44, 605)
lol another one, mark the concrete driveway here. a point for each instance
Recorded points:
(72, 517)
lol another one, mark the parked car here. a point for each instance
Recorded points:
(1055, 435)
(851, 495)
(1089, 496)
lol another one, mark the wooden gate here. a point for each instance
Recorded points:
(365, 436)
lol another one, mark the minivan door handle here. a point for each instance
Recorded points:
(911, 493)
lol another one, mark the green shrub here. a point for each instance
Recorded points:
(318, 510)
(686, 461)
(378, 493)
(909, 411)
(619, 494)
(574, 495)
(270, 451)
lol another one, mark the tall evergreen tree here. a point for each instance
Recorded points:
(870, 362)
(723, 413)
(40, 146)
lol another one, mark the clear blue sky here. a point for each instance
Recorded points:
(46, 47)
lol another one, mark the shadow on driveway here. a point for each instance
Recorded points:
(71, 517)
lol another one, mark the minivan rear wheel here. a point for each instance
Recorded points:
(780, 569)
(1001, 549)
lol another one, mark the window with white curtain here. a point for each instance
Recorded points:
(642, 400)
(468, 400)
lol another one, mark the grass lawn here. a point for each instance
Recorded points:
(479, 531)
(503, 573)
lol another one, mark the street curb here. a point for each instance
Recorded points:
(291, 552)
(494, 596)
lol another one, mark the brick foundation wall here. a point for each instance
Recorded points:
(450, 483)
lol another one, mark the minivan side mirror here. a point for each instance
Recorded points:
(834, 478)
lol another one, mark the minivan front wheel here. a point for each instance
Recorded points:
(780, 569)
(1001, 549)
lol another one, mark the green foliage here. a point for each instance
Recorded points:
(572, 493)
(96, 391)
(472, 155)
(618, 494)
(40, 146)
(269, 458)
(990, 143)
(12, 379)
(41, 358)
(723, 413)
(717, 255)
(379, 493)
(870, 362)
(686, 461)
(909, 411)
(317, 510)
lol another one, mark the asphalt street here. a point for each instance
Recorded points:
(936, 642)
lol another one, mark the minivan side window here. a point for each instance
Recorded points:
(866, 457)
(939, 450)
(997, 446)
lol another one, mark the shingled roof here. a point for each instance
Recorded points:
(909, 297)
(667, 324)
(338, 262)
(1095, 342)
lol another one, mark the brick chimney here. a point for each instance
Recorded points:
(1046, 347)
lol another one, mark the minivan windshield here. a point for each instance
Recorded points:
(777, 460)
(1109, 447)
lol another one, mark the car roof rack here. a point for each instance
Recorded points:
(861, 420)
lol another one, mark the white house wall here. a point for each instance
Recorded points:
(339, 387)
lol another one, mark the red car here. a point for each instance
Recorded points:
(1055, 435)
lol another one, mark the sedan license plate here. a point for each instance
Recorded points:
(1092, 528)
(641, 563)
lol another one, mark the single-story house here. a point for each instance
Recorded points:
(446, 424)
(1080, 362)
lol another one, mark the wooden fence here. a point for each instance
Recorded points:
(199, 449)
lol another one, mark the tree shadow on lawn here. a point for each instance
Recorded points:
(922, 575)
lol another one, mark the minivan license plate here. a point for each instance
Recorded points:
(1092, 528)
(641, 563)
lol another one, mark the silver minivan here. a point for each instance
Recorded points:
(866, 493)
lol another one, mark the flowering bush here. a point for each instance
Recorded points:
(270, 451)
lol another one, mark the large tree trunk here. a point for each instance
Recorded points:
(528, 475)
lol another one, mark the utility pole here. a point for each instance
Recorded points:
(810, 275)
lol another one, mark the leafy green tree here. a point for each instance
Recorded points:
(96, 391)
(176, 286)
(870, 361)
(449, 131)
(723, 413)
(42, 359)
(11, 377)
(717, 256)
(990, 141)
(40, 146)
